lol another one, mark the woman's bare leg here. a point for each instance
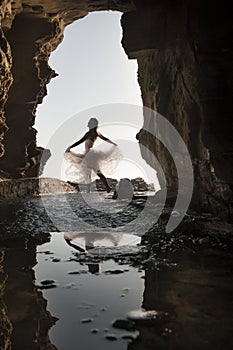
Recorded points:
(89, 184)
(104, 181)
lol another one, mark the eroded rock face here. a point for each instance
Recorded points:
(184, 54)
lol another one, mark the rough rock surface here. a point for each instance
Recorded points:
(139, 185)
(184, 54)
(33, 186)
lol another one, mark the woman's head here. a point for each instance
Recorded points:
(92, 123)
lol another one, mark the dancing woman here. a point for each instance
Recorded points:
(82, 165)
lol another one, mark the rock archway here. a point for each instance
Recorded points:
(184, 54)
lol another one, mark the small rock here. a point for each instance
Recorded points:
(175, 213)
(94, 330)
(74, 273)
(47, 252)
(141, 315)
(87, 320)
(56, 260)
(124, 324)
(77, 272)
(47, 282)
(103, 308)
(203, 240)
(129, 336)
(114, 272)
(168, 330)
(47, 287)
(111, 337)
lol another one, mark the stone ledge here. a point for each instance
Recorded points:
(14, 188)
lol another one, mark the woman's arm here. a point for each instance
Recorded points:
(106, 139)
(68, 241)
(84, 138)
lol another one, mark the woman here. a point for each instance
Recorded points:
(82, 165)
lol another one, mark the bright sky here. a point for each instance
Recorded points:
(95, 79)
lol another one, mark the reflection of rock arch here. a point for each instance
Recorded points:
(26, 321)
(192, 299)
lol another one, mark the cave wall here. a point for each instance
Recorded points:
(184, 54)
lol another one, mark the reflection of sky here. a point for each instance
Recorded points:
(93, 70)
(85, 295)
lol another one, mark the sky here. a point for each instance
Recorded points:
(95, 78)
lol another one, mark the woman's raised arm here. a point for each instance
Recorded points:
(84, 138)
(106, 139)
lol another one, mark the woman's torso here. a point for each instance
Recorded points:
(91, 137)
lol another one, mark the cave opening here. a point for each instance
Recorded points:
(93, 71)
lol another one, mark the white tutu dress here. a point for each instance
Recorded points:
(82, 167)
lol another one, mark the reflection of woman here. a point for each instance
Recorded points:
(82, 165)
(92, 239)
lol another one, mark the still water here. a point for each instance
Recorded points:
(86, 298)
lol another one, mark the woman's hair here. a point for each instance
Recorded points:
(93, 123)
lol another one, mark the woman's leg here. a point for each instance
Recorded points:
(104, 180)
(89, 184)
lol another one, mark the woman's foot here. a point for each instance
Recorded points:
(104, 181)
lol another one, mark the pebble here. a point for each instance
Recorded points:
(167, 331)
(129, 336)
(114, 272)
(74, 273)
(140, 315)
(77, 272)
(87, 320)
(56, 260)
(175, 213)
(124, 324)
(47, 284)
(94, 330)
(46, 252)
(111, 337)
(104, 308)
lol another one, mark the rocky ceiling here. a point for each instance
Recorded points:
(184, 54)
